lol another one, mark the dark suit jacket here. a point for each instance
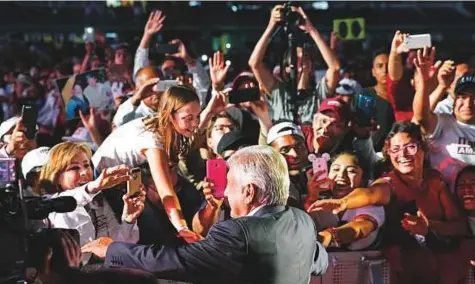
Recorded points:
(276, 245)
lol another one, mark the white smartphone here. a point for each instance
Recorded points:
(418, 41)
(163, 85)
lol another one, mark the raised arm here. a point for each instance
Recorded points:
(421, 105)
(357, 229)
(398, 47)
(263, 74)
(333, 73)
(445, 76)
(154, 25)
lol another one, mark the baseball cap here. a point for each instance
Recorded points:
(81, 135)
(34, 160)
(338, 106)
(232, 141)
(467, 81)
(348, 87)
(283, 129)
(8, 125)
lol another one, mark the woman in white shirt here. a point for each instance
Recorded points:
(360, 226)
(160, 141)
(68, 172)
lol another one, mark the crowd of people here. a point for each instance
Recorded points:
(402, 182)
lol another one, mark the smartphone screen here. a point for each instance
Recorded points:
(166, 48)
(244, 95)
(216, 171)
(29, 116)
(133, 185)
(365, 109)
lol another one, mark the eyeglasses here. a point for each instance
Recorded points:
(410, 149)
(223, 127)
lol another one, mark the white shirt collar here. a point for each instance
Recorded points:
(254, 211)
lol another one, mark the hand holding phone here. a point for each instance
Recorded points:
(365, 109)
(418, 41)
(166, 48)
(28, 118)
(134, 184)
(244, 95)
(216, 171)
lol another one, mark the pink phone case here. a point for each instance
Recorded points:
(216, 173)
(320, 164)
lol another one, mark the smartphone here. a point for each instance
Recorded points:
(29, 116)
(133, 185)
(365, 109)
(216, 171)
(88, 35)
(7, 171)
(244, 95)
(163, 85)
(166, 48)
(320, 164)
(418, 41)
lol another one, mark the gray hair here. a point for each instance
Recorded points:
(266, 169)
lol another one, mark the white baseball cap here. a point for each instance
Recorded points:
(81, 135)
(34, 160)
(283, 129)
(348, 87)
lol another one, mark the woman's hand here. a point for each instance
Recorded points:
(416, 225)
(328, 205)
(325, 238)
(108, 178)
(219, 102)
(133, 206)
(276, 16)
(316, 184)
(218, 70)
(215, 203)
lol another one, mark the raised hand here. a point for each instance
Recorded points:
(307, 25)
(423, 63)
(154, 23)
(218, 70)
(276, 16)
(182, 52)
(446, 74)
(219, 102)
(398, 45)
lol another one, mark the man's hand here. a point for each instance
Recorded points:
(416, 225)
(190, 236)
(133, 206)
(218, 70)
(154, 23)
(145, 90)
(276, 16)
(398, 46)
(446, 74)
(307, 26)
(219, 102)
(98, 247)
(182, 52)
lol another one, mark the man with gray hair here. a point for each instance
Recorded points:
(264, 242)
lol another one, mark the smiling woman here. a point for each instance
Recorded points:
(422, 222)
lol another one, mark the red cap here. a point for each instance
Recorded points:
(337, 106)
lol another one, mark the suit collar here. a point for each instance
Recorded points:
(269, 210)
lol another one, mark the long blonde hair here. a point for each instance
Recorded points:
(172, 100)
(60, 156)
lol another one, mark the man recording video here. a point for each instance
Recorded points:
(308, 96)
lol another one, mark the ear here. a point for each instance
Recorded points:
(250, 193)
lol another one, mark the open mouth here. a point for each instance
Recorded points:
(468, 198)
(405, 162)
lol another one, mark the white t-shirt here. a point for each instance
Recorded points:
(445, 106)
(452, 147)
(126, 145)
(324, 220)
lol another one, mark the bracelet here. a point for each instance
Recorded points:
(335, 239)
(182, 228)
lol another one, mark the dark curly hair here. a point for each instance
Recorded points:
(413, 130)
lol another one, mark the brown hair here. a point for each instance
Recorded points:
(60, 156)
(172, 100)
(213, 120)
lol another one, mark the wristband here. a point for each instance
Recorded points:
(182, 228)
(335, 239)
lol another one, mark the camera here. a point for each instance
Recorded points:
(292, 19)
(20, 220)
